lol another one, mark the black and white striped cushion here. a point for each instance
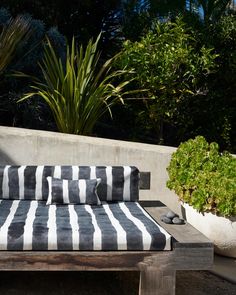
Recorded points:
(118, 183)
(82, 191)
(32, 225)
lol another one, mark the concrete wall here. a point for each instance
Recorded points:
(31, 147)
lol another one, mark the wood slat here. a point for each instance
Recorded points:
(180, 258)
(73, 260)
(184, 235)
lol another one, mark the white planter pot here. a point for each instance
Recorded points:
(221, 231)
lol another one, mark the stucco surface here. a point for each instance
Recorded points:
(33, 147)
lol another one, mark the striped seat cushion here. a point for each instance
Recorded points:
(32, 225)
(118, 183)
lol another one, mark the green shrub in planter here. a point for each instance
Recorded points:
(203, 177)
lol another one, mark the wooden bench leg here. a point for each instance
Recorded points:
(157, 280)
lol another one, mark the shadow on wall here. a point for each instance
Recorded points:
(5, 159)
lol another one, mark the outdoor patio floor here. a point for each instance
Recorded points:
(105, 283)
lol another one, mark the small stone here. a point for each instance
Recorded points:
(166, 219)
(177, 220)
(171, 214)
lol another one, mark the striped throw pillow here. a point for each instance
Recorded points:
(64, 191)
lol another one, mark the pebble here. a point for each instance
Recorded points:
(177, 220)
(166, 219)
(171, 214)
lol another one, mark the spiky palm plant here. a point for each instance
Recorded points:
(16, 31)
(78, 93)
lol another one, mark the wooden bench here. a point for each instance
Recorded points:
(191, 251)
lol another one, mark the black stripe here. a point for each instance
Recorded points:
(66, 172)
(158, 238)
(47, 171)
(74, 196)
(84, 172)
(40, 229)
(1, 179)
(86, 229)
(16, 228)
(13, 183)
(118, 183)
(64, 231)
(134, 235)
(102, 188)
(5, 207)
(134, 184)
(30, 182)
(91, 192)
(109, 234)
(57, 191)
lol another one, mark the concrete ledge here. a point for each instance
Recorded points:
(33, 147)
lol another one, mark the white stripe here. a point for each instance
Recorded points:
(65, 191)
(109, 183)
(57, 172)
(39, 182)
(147, 239)
(21, 182)
(82, 190)
(93, 172)
(52, 228)
(167, 235)
(4, 228)
(5, 183)
(121, 233)
(74, 227)
(49, 200)
(75, 172)
(127, 173)
(97, 236)
(28, 228)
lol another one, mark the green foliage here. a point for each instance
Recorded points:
(13, 34)
(169, 65)
(212, 113)
(25, 58)
(78, 93)
(213, 9)
(203, 177)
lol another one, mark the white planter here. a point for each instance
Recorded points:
(221, 231)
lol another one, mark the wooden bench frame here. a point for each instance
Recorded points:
(191, 251)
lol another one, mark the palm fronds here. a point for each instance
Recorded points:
(12, 34)
(78, 93)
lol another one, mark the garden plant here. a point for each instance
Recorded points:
(80, 91)
(15, 33)
(204, 177)
(167, 64)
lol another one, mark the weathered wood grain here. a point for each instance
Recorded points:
(73, 260)
(184, 235)
(157, 276)
(157, 281)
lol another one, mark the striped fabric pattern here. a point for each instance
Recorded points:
(32, 225)
(82, 191)
(118, 183)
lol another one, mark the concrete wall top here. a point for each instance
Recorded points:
(33, 147)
